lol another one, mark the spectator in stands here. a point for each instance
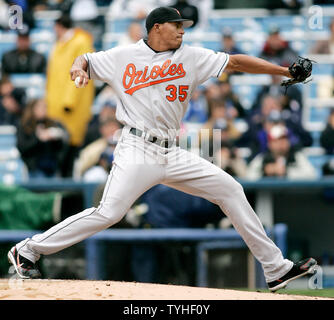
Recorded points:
(187, 10)
(328, 170)
(63, 6)
(277, 50)
(325, 46)
(90, 156)
(85, 15)
(103, 3)
(228, 43)
(228, 158)
(134, 33)
(104, 107)
(39, 5)
(232, 103)
(197, 111)
(218, 111)
(260, 122)
(134, 9)
(229, 46)
(323, 2)
(212, 90)
(219, 127)
(327, 142)
(12, 102)
(281, 160)
(41, 141)
(327, 135)
(291, 100)
(105, 95)
(168, 207)
(66, 103)
(23, 59)
(93, 131)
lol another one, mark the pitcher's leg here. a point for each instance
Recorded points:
(201, 178)
(64, 234)
(125, 184)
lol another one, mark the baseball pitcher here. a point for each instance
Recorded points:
(154, 80)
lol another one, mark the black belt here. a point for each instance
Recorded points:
(165, 143)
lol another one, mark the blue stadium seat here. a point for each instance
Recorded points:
(313, 90)
(12, 168)
(7, 42)
(33, 83)
(316, 138)
(7, 137)
(318, 114)
(45, 20)
(118, 25)
(213, 45)
(42, 41)
(13, 171)
(300, 47)
(218, 24)
(318, 161)
(284, 23)
(109, 44)
(7, 141)
(43, 47)
(249, 47)
(323, 69)
(246, 93)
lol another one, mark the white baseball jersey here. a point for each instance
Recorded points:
(153, 88)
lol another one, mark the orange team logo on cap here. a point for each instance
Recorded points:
(177, 12)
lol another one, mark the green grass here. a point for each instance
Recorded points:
(328, 292)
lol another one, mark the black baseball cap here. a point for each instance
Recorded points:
(166, 14)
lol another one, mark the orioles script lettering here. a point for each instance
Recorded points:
(134, 79)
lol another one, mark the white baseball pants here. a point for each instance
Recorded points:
(138, 166)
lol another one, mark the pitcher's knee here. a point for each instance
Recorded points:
(114, 210)
(237, 187)
(232, 186)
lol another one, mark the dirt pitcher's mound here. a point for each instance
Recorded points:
(13, 289)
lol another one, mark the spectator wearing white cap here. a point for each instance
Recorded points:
(281, 160)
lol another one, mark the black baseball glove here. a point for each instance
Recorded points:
(300, 70)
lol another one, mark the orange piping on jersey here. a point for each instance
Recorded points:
(141, 80)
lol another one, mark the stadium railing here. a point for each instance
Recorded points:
(264, 190)
(203, 239)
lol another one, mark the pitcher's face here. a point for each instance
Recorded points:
(171, 34)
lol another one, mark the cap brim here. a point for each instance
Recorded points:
(186, 22)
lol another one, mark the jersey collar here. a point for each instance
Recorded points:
(144, 43)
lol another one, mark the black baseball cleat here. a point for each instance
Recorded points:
(299, 269)
(24, 267)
